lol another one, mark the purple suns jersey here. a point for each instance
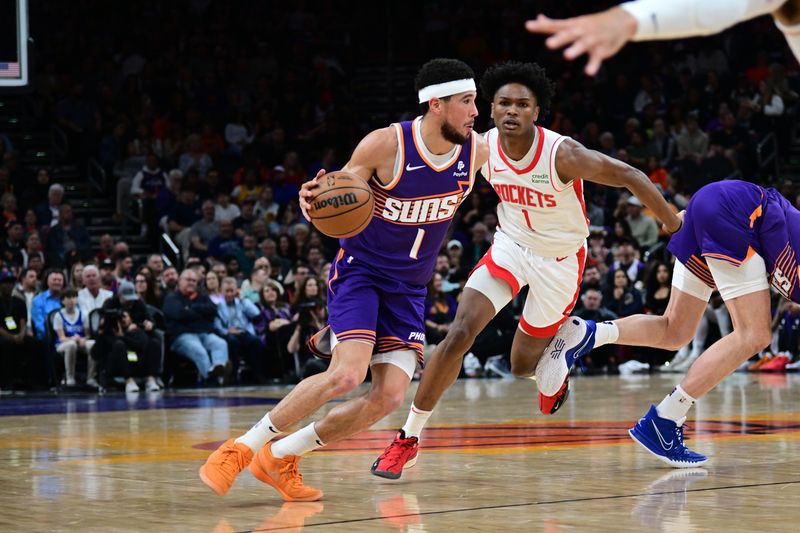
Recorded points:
(732, 220)
(413, 212)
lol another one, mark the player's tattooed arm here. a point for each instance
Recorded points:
(573, 161)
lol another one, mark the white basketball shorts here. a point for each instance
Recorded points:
(554, 283)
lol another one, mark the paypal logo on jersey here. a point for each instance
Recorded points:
(460, 172)
(421, 210)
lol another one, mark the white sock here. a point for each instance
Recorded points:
(607, 333)
(260, 434)
(675, 405)
(300, 442)
(415, 421)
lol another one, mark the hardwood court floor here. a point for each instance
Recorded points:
(490, 462)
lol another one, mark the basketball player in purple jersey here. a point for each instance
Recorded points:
(601, 35)
(419, 171)
(540, 242)
(737, 237)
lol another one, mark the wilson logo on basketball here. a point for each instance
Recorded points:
(336, 201)
(422, 210)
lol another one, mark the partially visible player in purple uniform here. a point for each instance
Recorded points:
(419, 171)
(737, 237)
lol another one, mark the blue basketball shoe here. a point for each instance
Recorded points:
(664, 439)
(574, 339)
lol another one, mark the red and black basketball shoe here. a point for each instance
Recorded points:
(400, 454)
(550, 404)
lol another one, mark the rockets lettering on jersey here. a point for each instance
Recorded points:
(413, 212)
(536, 209)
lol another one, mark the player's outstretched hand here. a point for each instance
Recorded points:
(600, 35)
(306, 194)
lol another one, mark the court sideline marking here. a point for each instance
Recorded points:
(529, 504)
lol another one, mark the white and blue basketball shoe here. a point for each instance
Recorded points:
(574, 339)
(664, 438)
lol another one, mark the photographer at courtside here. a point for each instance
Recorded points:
(126, 336)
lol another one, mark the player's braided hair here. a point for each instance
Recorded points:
(530, 75)
(440, 70)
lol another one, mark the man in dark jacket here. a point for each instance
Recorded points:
(189, 318)
(68, 241)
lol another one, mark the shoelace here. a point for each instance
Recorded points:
(289, 470)
(679, 431)
(394, 453)
(234, 456)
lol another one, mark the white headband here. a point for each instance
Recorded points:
(448, 88)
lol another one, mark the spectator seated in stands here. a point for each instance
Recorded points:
(11, 248)
(203, 231)
(310, 291)
(275, 315)
(190, 321)
(19, 356)
(128, 340)
(156, 265)
(225, 243)
(70, 325)
(106, 248)
(169, 280)
(147, 288)
(478, 246)
(312, 316)
(295, 280)
(145, 187)
(622, 297)
(592, 308)
(43, 303)
(266, 208)
(92, 296)
(26, 290)
(68, 241)
(626, 259)
(47, 213)
(182, 214)
(440, 310)
(213, 286)
(251, 288)
(123, 267)
(243, 224)
(248, 254)
(225, 210)
(643, 228)
(46, 301)
(234, 323)
(33, 251)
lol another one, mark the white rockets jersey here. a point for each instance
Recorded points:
(536, 209)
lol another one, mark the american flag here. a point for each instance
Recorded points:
(9, 70)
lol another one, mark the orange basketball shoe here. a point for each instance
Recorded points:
(224, 465)
(282, 474)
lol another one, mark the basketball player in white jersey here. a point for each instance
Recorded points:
(540, 242)
(601, 35)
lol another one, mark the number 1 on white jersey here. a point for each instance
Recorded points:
(417, 243)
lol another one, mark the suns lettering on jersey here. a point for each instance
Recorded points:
(418, 211)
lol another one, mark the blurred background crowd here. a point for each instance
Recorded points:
(148, 181)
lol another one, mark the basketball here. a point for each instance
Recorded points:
(342, 204)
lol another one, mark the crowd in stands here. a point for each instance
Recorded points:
(209, 124)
